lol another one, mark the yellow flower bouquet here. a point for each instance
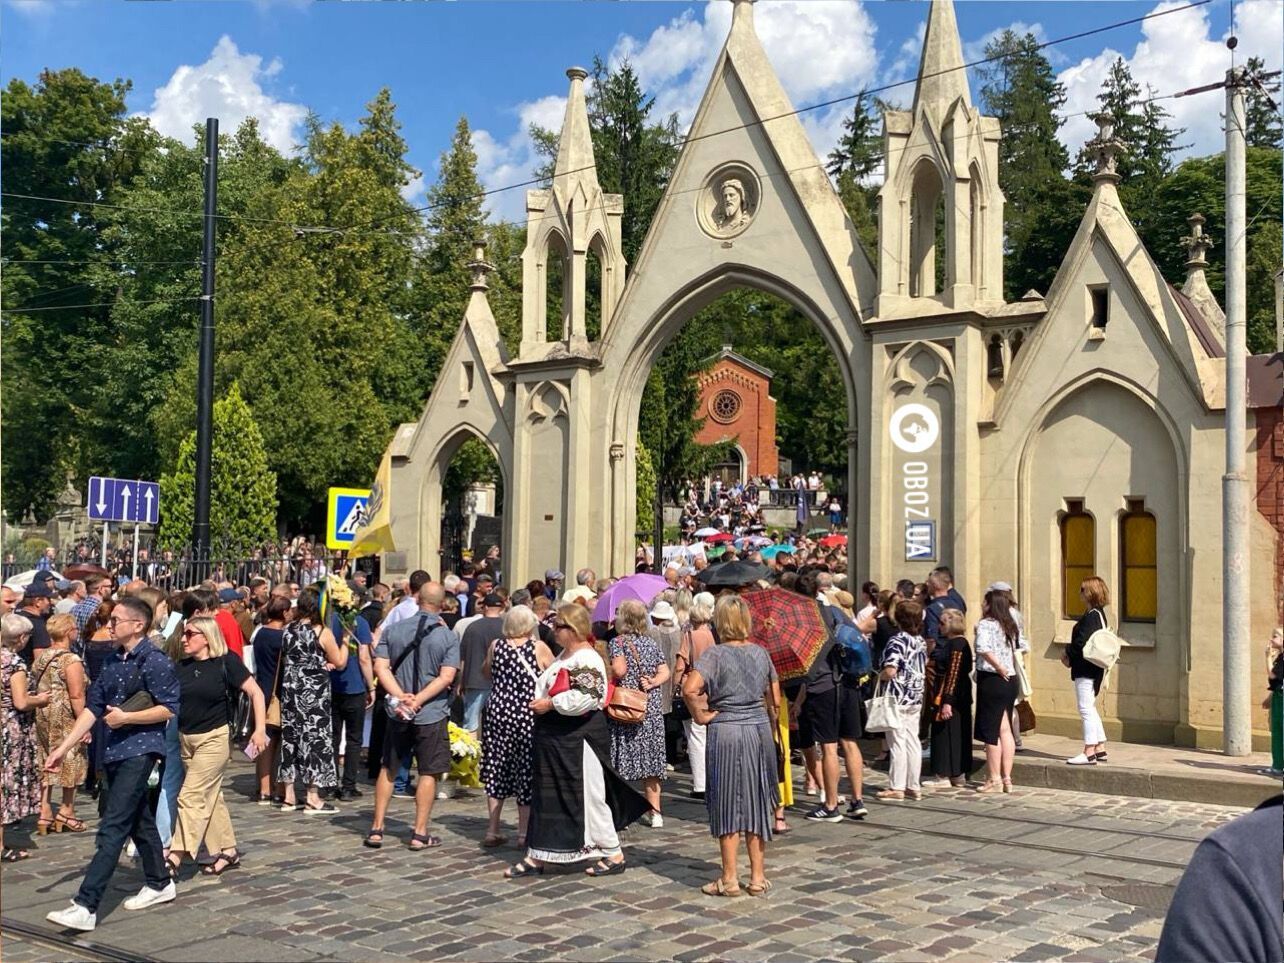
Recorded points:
(465, 758)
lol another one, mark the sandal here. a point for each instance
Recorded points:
(604, 867)
(229, 862)
(172, 867)
(759, 889)
(782, 828)
(719, 888)
(524, 868)
(374, 839)
(428, 841)
(893, 794)
(44, 825)
(69, 823)
(491, 842)
(14, 856)
(990, 786)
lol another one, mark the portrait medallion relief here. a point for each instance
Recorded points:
(727, 204)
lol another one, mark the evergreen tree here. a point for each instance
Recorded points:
(1262, 117)
(455, 220)
(242, 486)
(1040, 212)
(858, 154)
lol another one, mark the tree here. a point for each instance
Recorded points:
(644, 474)
(857, 155)
(1262, 126)
(1041, 209)
(242, 486)
(455, 220)
(66, 139)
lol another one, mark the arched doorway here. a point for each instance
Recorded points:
(462, 507)
(635, 357)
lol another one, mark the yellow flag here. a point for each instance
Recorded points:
(374, 534)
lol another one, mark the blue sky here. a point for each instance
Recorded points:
(502, 63)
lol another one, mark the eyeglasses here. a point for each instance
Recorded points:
(115, 621)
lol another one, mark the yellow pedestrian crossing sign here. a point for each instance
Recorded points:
(344, 515)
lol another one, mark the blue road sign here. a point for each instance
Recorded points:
(124, 500)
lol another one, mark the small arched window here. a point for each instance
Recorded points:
(1078, 556)
(994, 357)
(1138, 561)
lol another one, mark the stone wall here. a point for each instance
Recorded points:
(1269, 487)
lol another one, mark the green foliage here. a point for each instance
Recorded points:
(644, 473)
(1262, 127)
(1041, 208)
(1198, 185)
(472, 464)
(858, 154)
(242, 487)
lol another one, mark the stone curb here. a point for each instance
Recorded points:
(1121, 781)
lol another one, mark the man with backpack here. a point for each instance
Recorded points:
(855, 660)
(416, 661)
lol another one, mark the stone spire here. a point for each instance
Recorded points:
(480, 267)
(941, 77)
(1105, 148)
(575, 146)
(1197, 245)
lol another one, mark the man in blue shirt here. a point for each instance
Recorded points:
(353, 693)
(135, 744)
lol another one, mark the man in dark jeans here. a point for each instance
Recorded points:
(353, 690)
(135, 743)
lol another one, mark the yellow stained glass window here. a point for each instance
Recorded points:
(1078, 557)
(1139, 560)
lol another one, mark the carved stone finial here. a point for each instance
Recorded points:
(1106, 149)
(480, 266)
(576, 73)
(1197, 243)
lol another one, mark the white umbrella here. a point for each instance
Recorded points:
(705, 532)
(23, 579)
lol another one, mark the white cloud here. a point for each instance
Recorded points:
(413, 191)
(229, 86)
(1177, 52)
(512, 160)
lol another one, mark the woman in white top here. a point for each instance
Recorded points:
(998, 639)
(578, 802)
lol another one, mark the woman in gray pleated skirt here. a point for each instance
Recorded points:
(734, 691)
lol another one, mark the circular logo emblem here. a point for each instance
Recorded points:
(914, 428)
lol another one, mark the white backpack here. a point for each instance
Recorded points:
(1103, 646)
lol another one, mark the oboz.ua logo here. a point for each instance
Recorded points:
(914, 428)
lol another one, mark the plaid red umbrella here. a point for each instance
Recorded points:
(829, 541)
(790, 627)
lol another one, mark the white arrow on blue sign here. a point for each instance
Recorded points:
(124, 500)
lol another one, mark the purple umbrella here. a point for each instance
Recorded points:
(642, 587)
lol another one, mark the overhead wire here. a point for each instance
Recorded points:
(99, 304)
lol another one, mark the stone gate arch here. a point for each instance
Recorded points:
(431, 502)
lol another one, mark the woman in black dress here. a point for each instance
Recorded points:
(951, 701)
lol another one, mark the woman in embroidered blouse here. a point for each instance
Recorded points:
(950, 703)
(904, 665)
(998, 639)
(578, 803)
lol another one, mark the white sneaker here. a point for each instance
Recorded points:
(150, 897)
(652, 819)
(1082, 760)
(74, 917)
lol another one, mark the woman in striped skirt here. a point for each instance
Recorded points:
(734, 691)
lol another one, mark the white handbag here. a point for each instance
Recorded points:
(1023, 679)
(883, 711)
(1103, 646)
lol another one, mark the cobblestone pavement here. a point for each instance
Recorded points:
(1040, 874)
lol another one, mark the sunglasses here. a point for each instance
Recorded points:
(114, 621)
(192, 633)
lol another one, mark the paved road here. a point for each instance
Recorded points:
(959, 877)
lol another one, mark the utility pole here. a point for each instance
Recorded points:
(1237, 736)
(205, 359)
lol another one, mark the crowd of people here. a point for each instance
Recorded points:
(583, 702)
(736, 507)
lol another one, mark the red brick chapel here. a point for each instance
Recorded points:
(736, 403)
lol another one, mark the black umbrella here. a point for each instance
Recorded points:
(733, 574)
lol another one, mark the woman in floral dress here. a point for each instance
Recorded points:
(60, 673)
(513, 663)
(308, 652)
(19, 778)
(637, 662)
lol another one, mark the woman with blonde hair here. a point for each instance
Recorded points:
(733, 689)
(1084, 675)
(59, 673)
(637, 662)
(578, 802)
(209, 677)
(19, 779)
